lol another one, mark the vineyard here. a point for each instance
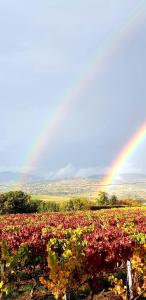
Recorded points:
(67, 254)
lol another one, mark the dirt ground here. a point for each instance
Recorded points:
(43, 296)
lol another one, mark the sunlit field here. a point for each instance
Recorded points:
(51, 198)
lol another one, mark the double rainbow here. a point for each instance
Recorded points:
(120, 33)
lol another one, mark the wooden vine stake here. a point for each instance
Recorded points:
(65, 297)
(129, 280)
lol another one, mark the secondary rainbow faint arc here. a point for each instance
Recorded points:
(98, 63)
(123, 156)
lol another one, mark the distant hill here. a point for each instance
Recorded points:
(131, 177)
(124, 177)
(128, 185)
(7, 177)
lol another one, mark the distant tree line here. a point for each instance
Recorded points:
(20, 202)
(104, 199)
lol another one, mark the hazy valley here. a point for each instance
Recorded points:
(132, 185)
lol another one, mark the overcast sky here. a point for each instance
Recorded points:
(45, 46)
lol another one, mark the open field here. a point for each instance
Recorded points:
(66, 252)
(56, 198)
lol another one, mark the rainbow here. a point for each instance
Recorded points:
(120, 33)
(123, 156)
